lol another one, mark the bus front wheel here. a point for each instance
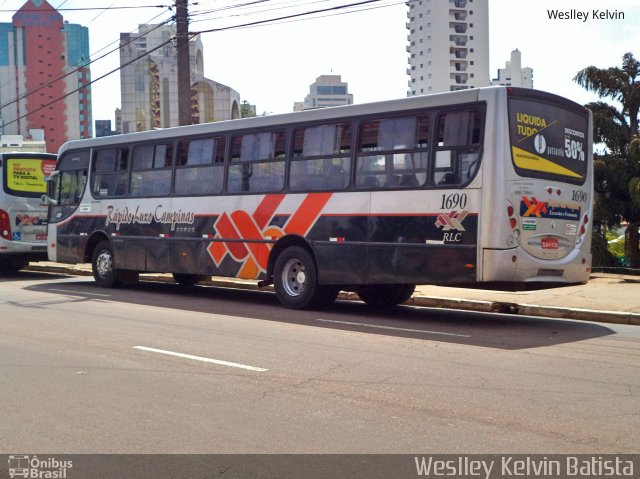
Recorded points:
(385, 295)
(102, 264)
(295, 280)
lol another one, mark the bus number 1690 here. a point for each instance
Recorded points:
(454, 200)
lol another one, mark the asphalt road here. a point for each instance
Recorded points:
(162, 369)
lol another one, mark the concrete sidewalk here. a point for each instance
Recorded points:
(608, 298)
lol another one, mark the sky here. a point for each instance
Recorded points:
(272, 66)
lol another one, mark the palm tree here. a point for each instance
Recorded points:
(619, 84)
(617, 127)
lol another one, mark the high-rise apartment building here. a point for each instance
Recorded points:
(149, 85)
(513, 74)
(448, 45)
(328, 90)
(44, 76)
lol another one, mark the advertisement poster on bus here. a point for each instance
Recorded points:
(29, 174)
(548, 141)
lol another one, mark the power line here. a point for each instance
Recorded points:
(337, 10)
(292, 16)
(74, 70)
(139, 57)
(40, 10)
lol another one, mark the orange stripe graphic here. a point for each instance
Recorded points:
(266, 209)
(239, 225)
(307, 214)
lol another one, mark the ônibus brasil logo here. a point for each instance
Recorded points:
(34, 467)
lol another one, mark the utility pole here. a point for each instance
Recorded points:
(184, 73)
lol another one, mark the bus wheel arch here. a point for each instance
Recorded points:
(94, 240)
(103, 265)
(99, 252)
(293, 267)
(282, 244)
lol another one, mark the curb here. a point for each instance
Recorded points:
(502, 307)
(499, 307)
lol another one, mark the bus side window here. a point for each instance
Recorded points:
(458, 147)
(151, 170)
(257, 162)
(321, 158)
(110, 173)
(200, 166)
(392, 153)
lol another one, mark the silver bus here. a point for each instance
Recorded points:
(481, 185)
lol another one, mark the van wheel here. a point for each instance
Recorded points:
(295, 280)
(385, 295)
(12, 265)
(102, 264)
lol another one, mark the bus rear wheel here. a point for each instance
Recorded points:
(295, 280)
(102, 264)
(385, 295)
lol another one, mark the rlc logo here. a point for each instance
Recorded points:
(451, 221)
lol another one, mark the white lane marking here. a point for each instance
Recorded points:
(79, 292)
(200, 358)
(391, 328)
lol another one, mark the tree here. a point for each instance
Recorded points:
(617, 173)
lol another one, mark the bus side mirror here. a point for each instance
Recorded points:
(51, 185)
(48, 200)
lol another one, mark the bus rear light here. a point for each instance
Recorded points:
(583, 230)
(511, 213)
(469, 266)
(5, 225)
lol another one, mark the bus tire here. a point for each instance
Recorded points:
(102, 264)
(385, 295)
(188, 280)
(295, 280)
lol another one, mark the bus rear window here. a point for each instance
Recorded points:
(549, 141)
(26, 177)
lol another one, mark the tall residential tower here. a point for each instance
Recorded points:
(149, 82)
(513, 74)
(448, 45)
(44, 76)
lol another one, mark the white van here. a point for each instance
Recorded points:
(23, 215)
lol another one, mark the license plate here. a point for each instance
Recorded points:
(41, 237)
(549, 243)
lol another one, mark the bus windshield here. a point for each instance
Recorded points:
(26, 176)
(548, 141)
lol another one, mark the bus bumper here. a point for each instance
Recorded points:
(515, 265)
